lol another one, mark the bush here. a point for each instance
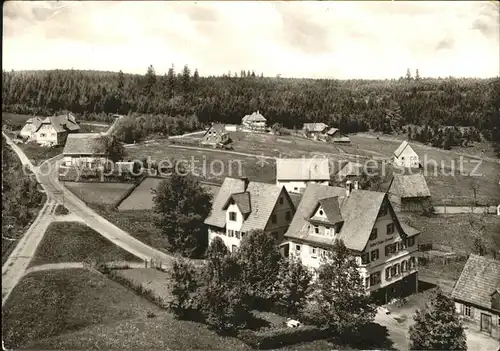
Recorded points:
(61, 210)
(279, 337)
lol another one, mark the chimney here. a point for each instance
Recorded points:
(356, 185)
(348, 188)
(246, 181)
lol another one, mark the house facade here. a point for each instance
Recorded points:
(51, 130)
(477, 294)
(405, 156)
(216, 135)
(295, 173)
(385, 248)
(84, 150)
(242, 206)
(409, 193)
(254, 122)
(335, 136)
(316, 131)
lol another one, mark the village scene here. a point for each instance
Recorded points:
(180, 210)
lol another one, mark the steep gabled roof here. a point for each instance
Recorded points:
(258, 198)
(217, 216)
(479, 279)
(401, 148)
(302, 169)
(359, 211)
(242, 200)
(84, 144)
(409, 186)
(218, 128)
(254, 117)
(332, 131)
(61, 123)
(314, 127)
(35, 121)
(331, 208)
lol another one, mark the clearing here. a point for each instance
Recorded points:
(15, 121)
(37, 153)
(142, 196)
(75, 242)
(79, 309)
(99, 193)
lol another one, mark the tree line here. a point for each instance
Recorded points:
(351, 105)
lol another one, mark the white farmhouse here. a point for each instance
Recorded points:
(385, 248)
(405, 156)
(51, 130)
(84, 150)
(295, 173)
(242, 206)
(255, 122)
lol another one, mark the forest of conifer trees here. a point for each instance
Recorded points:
(187, 99)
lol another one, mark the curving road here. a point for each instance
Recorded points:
(48, 177)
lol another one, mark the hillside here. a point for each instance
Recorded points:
(352, 105)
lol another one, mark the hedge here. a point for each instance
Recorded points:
(279, 337)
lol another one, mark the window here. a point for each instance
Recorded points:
(411, 262)
(230, 233)
(288, 215)
(404, 266)
(281, 201)
(42, 135)
(316, 229)
(410, 242)
(388, 273)
(375, 278)
(467, 311)
(373, 234)
(365, 258)
(374, 255)
(237, 234)
(313, 252)
(390, 249)
(242, 233)
(297, 248)
(390, 228)
(273, 219)
(232, 216)
(321, 212)
(400, 246)
(393, 271)
(295, 189)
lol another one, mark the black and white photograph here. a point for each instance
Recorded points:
(251, 175)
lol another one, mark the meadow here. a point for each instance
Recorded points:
(99, 193)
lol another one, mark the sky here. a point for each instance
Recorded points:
(341, 40)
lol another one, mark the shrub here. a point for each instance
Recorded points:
(279, 337)
(61, 210)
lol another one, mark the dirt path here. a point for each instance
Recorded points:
(81, 265)
(18, 261)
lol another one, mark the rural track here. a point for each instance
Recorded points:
(48, 174)
(77, 265)
(13, 269)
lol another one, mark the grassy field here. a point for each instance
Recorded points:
(15, 121)
(453, 230)
(99, 193)
(209, 164)
(78, 309)
(37, 154)
(140, 224)
(142, 196)
(75, 242)
(85, 128)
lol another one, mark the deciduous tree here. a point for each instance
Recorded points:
(437, 326)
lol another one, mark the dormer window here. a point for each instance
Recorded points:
(232, 216)
(373, 234)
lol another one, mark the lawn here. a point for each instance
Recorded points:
(453, 230)
(79, 309)
(37, 153)
(208, 164)
(142, 196)
(85, 128)
(75, 242)
(140, 224)
(99, 193)
(14, 120)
